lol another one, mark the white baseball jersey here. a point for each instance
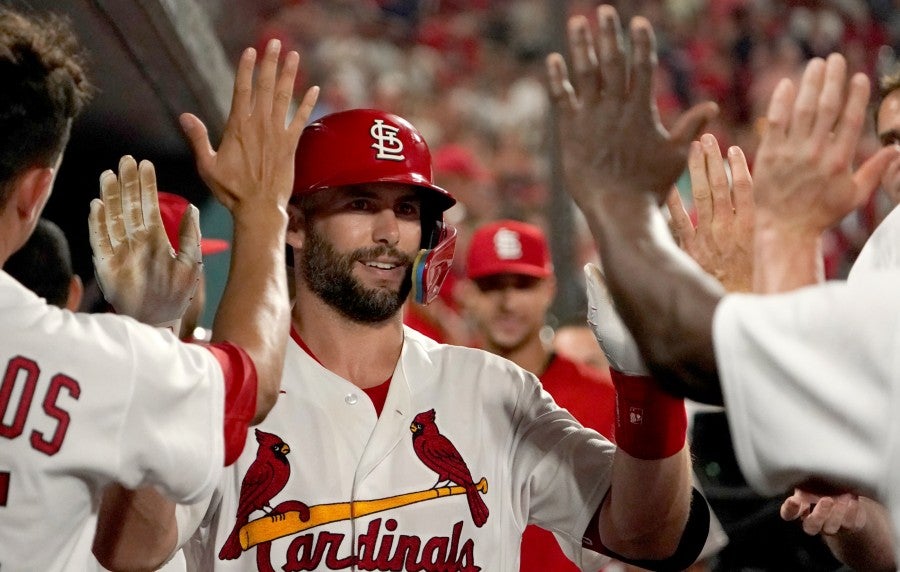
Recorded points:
(88, 400)
(811, 381)
(348, 491)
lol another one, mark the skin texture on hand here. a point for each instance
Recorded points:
(804, 181)
(722, 241)
(137, 269)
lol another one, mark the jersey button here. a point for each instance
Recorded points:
(351, 399)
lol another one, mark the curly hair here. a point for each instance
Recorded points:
(43, 86)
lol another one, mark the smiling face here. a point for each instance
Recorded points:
(359, 243)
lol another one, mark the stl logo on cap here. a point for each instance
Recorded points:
(507, 244)
(388, 145)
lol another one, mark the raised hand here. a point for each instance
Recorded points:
(254, 164)
(611, 135)
(137, 269)
(803, 172)
(722, 242)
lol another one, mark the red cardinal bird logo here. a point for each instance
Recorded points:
(264, 479)
(438, 454)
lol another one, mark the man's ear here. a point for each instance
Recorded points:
(76, 291)
(295, 230)
(32, 192)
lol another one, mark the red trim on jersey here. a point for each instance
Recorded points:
(239, 373)
(378, 394)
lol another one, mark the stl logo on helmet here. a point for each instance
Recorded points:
(507, 244)
(388, 145)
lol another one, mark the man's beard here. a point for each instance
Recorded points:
(330, 276)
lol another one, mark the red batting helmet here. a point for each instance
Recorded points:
(363, 146)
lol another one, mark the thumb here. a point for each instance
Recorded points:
(198, 138)
(868, 176)
(693, 121)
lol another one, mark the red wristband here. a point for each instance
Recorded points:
(650, 423)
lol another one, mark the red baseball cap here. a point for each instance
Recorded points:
(172, 208)
(508, 247)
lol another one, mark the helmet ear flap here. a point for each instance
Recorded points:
(432, 265)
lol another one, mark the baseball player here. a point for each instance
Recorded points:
(808, 377)
(91, 400)
(387, 450)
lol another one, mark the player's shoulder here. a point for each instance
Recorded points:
(565, 367)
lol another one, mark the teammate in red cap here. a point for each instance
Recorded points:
(386, 435)
(509, 288)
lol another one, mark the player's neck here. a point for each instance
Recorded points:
(531, 355)
(364, 354)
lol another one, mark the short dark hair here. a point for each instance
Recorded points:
(44, 264)
(887, 84)
(43, 87)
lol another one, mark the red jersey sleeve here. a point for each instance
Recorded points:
(239, 374)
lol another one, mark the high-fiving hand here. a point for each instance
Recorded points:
(254, 164)
(611, 135)
(137, 269)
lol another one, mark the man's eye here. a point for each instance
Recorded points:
(408, 210)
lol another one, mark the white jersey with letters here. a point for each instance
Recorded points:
(811, 381)
(329, 485)
(87, 400)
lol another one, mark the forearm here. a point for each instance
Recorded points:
(647, 508)
(136, 529)
(254, 312)
(670, 312)
(870, 548)
(783, 259)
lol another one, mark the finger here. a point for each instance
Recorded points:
(700, 190)
(836, 518)
(611, 53)
(111, 195)
(149, 197)
(198, 138)
(682, 226)
(723, 210)
(812, 524)
(643, 63)
(284, 88)
(741, 182)
(265, 80)
(692, 122)
(869, 175)
(562, 93)
(98, 233)
(849, 127)
(584, 59)
(304, 110)
(804, 113)
(829, 104)
(778, 116)
(243, 86)
(131, 195)
(793, 508)
(189, 237)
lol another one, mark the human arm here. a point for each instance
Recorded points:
(252, 175)
(611, 135)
